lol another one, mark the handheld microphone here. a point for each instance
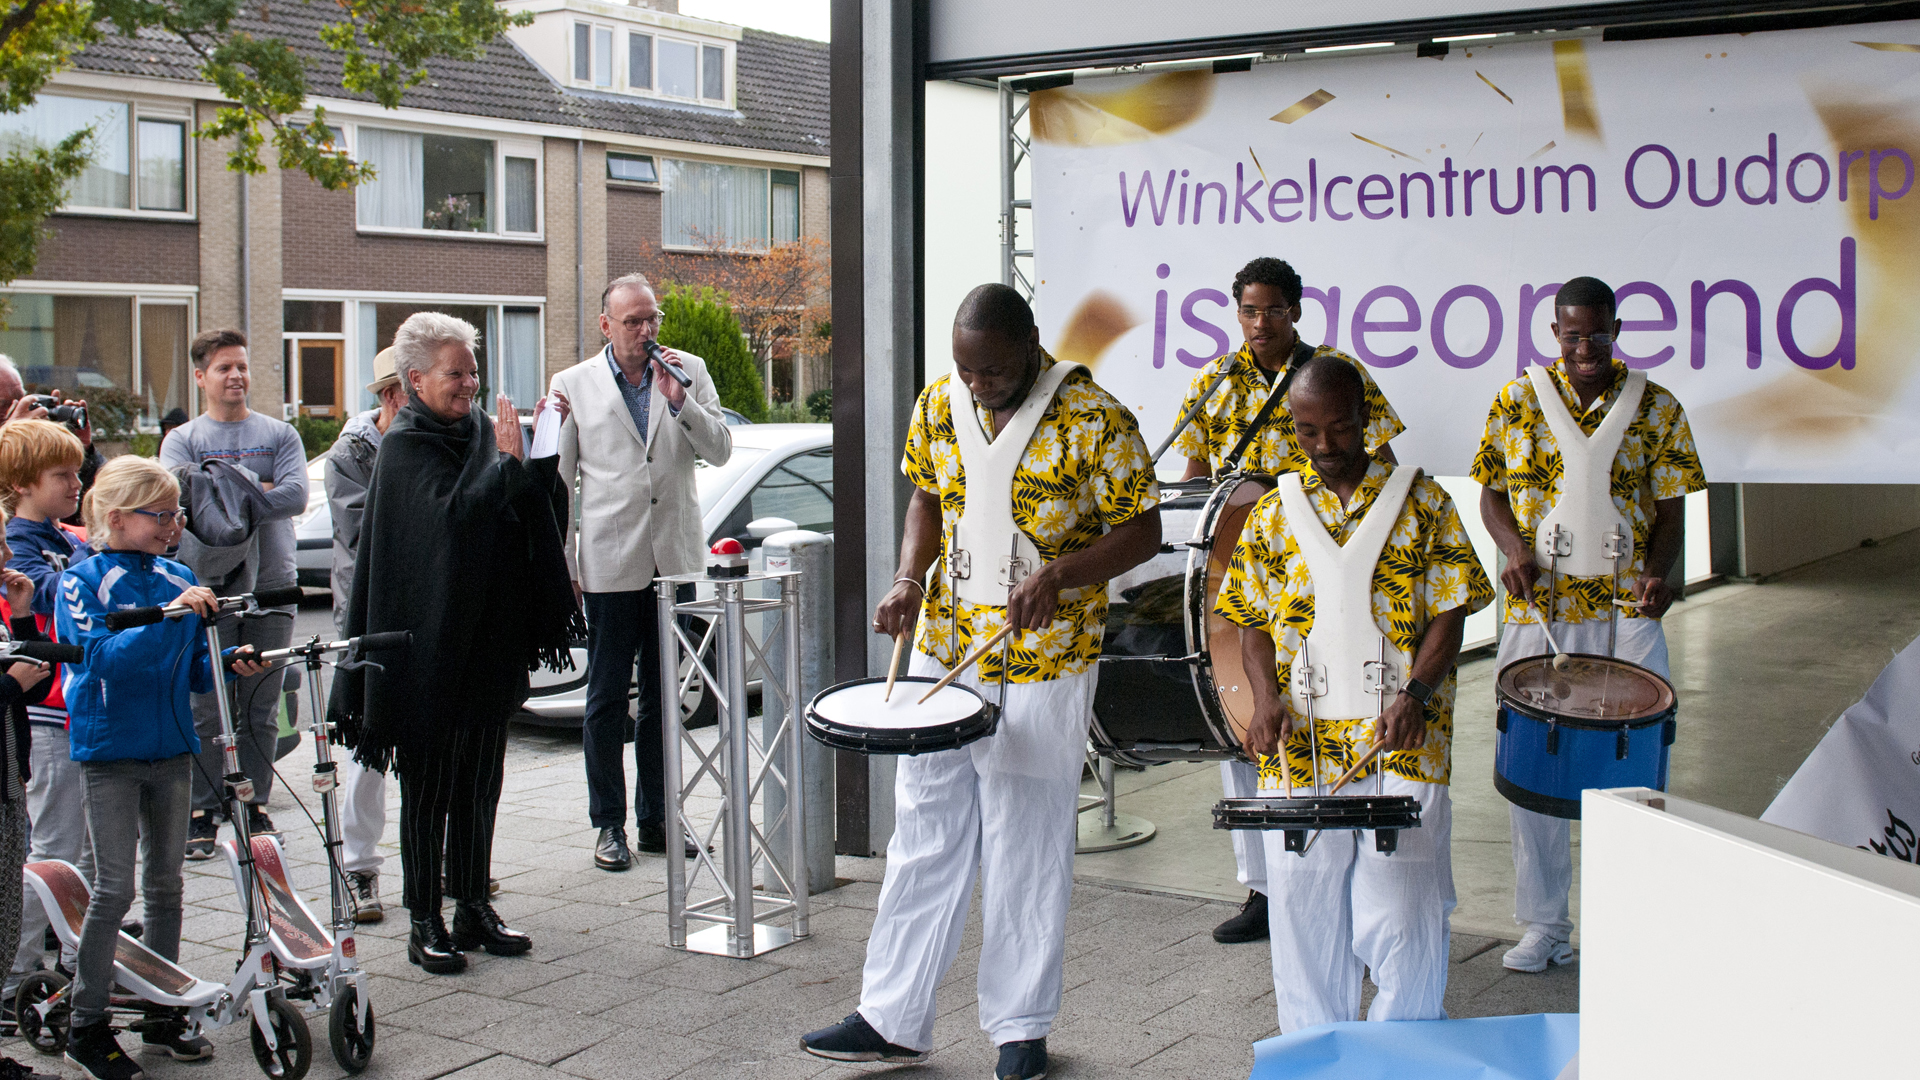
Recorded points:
(47, 652)
(658, 356)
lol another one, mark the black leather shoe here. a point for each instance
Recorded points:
(1249, 925)
(651, 839)
(478, 926)
(432, 948)
(611, 852)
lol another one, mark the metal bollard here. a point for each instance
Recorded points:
(810, 556)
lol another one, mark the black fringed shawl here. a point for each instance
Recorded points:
(460, 545)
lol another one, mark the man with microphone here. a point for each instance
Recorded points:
(637, 415)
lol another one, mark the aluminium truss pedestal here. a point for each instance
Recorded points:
(719, 888)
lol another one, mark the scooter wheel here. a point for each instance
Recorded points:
(291, 1059)
(352, 1044)
(45, 1031)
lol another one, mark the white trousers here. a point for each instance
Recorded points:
(1239, 780)
(1006, 805)
(1543, 844)
(363, 814)
(1344, 908)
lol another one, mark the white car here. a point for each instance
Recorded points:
(776, 471)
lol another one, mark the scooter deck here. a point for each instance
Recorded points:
(152, 977)
(299, 939)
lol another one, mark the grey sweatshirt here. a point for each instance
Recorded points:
(269, 449)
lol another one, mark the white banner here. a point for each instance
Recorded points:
(1861, 786)
(1752, 199)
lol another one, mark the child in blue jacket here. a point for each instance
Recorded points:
(132, 733)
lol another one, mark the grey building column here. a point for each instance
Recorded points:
(878, 64)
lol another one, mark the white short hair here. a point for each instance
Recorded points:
(417, 343)
(7, 365)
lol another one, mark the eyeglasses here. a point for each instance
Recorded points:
(636, 325)
(1598, 341)
(1271, 314)
(166, 518)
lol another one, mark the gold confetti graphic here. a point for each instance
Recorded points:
(1097, 323)
(1068, 117)
(1582, 117)
(1889, 46)
(1302, 107)
(1551, 143)
(1495, 89)
(1384, 146)
(1256, 162)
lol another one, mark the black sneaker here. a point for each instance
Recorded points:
(175, 1037)
(259, 824)
(853, 1039)
(1249, 925)
(1026, 1060)
(13, 1070)
(202, 830)
(94, 1049)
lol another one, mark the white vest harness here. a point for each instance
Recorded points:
(1585, 529)
(1347, 666)
(990, 554)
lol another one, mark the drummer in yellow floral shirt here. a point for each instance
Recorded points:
(1266, 297)
(1013, 453)
(1354, 525)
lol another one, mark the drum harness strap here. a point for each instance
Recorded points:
(1302, 352)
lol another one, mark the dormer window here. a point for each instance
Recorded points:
(593, 55)
(637, 51)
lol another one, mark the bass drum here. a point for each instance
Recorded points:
(1171, 685)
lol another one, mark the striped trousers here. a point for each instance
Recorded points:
(448, 798)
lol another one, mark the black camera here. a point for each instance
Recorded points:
(60, 412)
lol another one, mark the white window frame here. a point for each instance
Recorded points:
(138, 296)
(357, 373)
(659, 161)
(700, 45)
(615, 67)
(141, 109)
(504, 147)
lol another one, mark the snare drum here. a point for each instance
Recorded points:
(1602, 723)
(1384, 815)
(1171, 687)
(852, 716)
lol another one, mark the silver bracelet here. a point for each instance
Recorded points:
(912, 581)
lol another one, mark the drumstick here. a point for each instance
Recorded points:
(1357, 766)
(967, 663)
(1561, 661)
(893, 669)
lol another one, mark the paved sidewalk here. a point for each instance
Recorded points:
(1149, 993)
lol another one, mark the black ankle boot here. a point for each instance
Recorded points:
(477, 926)
(432, 948)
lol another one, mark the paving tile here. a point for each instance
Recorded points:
(543, 1035)
(1202, 1055)
(456, 1014)
(586, 992)
(714, 974)
(637, 1055)
(1111, 1042)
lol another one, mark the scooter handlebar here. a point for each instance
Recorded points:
(49, 652)
(144, 616)
(392, 639)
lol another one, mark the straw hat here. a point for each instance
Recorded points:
(383, 373)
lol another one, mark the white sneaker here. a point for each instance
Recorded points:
(1537, 950)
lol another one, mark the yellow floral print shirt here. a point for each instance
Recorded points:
(1427, 567)
(1084, 470)
(1656, 460)
(1237, 400)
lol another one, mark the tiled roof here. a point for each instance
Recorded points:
(780, 87)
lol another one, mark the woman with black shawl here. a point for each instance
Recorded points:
(460, 545)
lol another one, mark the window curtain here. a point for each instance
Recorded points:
(41, 126)
(786, 207)
(520, 355)
(362, 373)
(704, 205)
(163, 360)
(395, 198)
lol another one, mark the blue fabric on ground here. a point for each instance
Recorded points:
(1532, 1047)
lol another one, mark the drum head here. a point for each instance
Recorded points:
(853, 716)
(1594, 689)
(1220, 640)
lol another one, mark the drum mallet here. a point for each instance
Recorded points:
(971, 659)
(893, 668)
(1561, 661)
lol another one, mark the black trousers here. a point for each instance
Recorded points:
(623, 627)
(447, 804)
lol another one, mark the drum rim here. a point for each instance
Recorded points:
(1206, 689)
(983, 717)
(1349, 812)
(1503, 700)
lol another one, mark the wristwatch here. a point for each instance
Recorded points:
(1417, 690)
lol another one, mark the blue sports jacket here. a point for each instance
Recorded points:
(129, 699)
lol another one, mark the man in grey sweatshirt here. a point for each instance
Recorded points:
(271, 450)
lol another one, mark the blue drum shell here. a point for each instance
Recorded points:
(1543, 763)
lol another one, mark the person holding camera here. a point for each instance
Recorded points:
(271, 451)
(639, 414)
(17, 404)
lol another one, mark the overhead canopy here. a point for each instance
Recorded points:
(974, 38)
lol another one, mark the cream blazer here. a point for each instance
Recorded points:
(636, 515)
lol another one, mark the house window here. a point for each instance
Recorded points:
(713, 73)
(692, 70)
(705, 205)
(166, 380)
(634, 168)
(82, 345)
(602, 56)
(583, 52)
(510, 352)
(139, 162)
(447, 183)
(640, 61)
(593, 54)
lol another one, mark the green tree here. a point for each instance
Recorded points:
(383, 47)
(700, 321)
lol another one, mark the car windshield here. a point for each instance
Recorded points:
(714, 481)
